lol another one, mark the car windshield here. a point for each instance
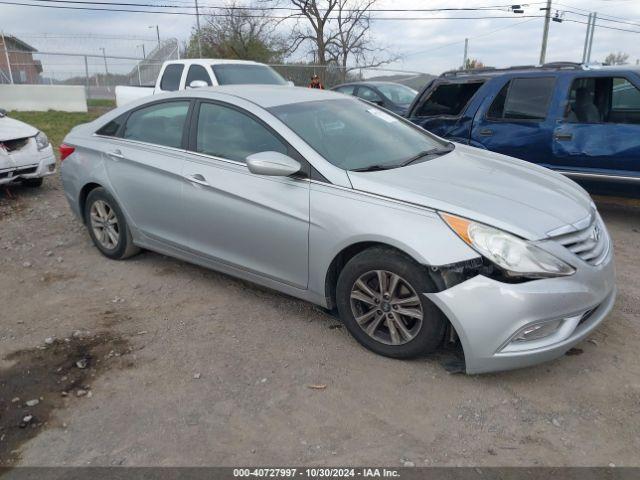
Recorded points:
(239, 74)
(398, 93)
(355, 135)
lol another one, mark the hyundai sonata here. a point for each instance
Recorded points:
(412, 239)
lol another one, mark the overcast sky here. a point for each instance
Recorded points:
(430, 46)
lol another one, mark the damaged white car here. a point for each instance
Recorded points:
(25, 153)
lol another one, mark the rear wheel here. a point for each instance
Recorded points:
(107, 226)
(380, 300)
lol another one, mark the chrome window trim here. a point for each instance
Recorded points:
(138, 142)
(599, 176)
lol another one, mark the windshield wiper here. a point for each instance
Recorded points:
(374, 168)
(427, 153)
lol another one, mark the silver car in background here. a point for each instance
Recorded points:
(333, 200)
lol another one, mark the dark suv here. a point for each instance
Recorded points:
(582, 121)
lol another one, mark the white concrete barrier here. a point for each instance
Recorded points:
(40, 98)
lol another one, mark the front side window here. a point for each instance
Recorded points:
(160, 124)
(523, 99)
(197, 72)
(448, 99)
(369, 95)
(603, 100)
(354, 135)
(241, 74)
(228, 133)
(171, 77)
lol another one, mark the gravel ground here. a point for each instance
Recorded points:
(179, 365)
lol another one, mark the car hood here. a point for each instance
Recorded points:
(501, 191)
(10, 129)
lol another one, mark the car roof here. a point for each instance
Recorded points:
(213, 61)
(267, 96)
(555, 68)
(373, 82)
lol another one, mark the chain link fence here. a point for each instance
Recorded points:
(101, 73)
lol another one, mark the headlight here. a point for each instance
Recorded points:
(517, 257)
(42, 141)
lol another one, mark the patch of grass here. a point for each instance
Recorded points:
(54, 124)
(101, 102)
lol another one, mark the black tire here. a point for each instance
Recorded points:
(32, 182)
(430, 334)
(124, 248)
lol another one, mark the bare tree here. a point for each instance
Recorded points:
(241, 34)
(337, 32)
(616, 59)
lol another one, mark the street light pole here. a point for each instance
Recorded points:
(104, 56)
(144, 54)
(545, 33)
(157, 32)
(466, 53)
(198, 32)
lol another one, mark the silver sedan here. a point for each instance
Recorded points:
(413, 240)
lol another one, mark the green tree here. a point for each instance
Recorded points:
(241, 34)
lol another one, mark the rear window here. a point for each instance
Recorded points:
(111, 129)
(171, 77)
(238, 74)
(448, 99)
(523, 99)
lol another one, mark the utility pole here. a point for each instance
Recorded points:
(6, 55)
(144, 54)
(593, 31)
(586, 39)
(198, 33)
(157, 32)
(545, 33)
(466, 53)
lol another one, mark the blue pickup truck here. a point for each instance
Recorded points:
(582, 121)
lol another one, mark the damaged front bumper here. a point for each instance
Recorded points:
(492, 318)
(26, 163)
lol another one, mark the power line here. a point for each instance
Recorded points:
(119, 10)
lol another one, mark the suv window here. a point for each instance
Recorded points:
(197, 72)
(171, 77)
(160, 124)
(603, 100)
(523, 99)
(227, 133)
(368, 94)
(448, 99)
(112, 128)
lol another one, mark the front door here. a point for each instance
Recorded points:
(517, 121)
(256, 223)
(600, 131)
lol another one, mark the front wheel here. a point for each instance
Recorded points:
(107, 226)
(380, 300)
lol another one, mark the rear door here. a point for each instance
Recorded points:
(447, 108)
(518, 120)
(600, 130)
(144, 165)
(255, 223)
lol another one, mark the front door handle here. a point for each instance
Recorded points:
(197, 178)
(485, 132)
(116, 154)
(563, 137)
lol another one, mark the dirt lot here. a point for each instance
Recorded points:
(184, 366)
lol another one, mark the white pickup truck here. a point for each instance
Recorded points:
(202, 72)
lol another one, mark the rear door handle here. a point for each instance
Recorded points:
(485, 132)
(116, 154)
(197, 178)
(563, 137)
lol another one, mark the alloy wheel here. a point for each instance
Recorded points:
(104, 223)
(386, 307)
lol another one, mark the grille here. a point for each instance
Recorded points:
(591, 244)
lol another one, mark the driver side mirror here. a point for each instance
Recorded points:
(198, 84)
(273, 164)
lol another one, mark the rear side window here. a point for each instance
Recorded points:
(197, 72)
(171, 77)
(228, 133)
(603, 100)
(523, 99)
(448, 99)
(160, 124)
(111, 129)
